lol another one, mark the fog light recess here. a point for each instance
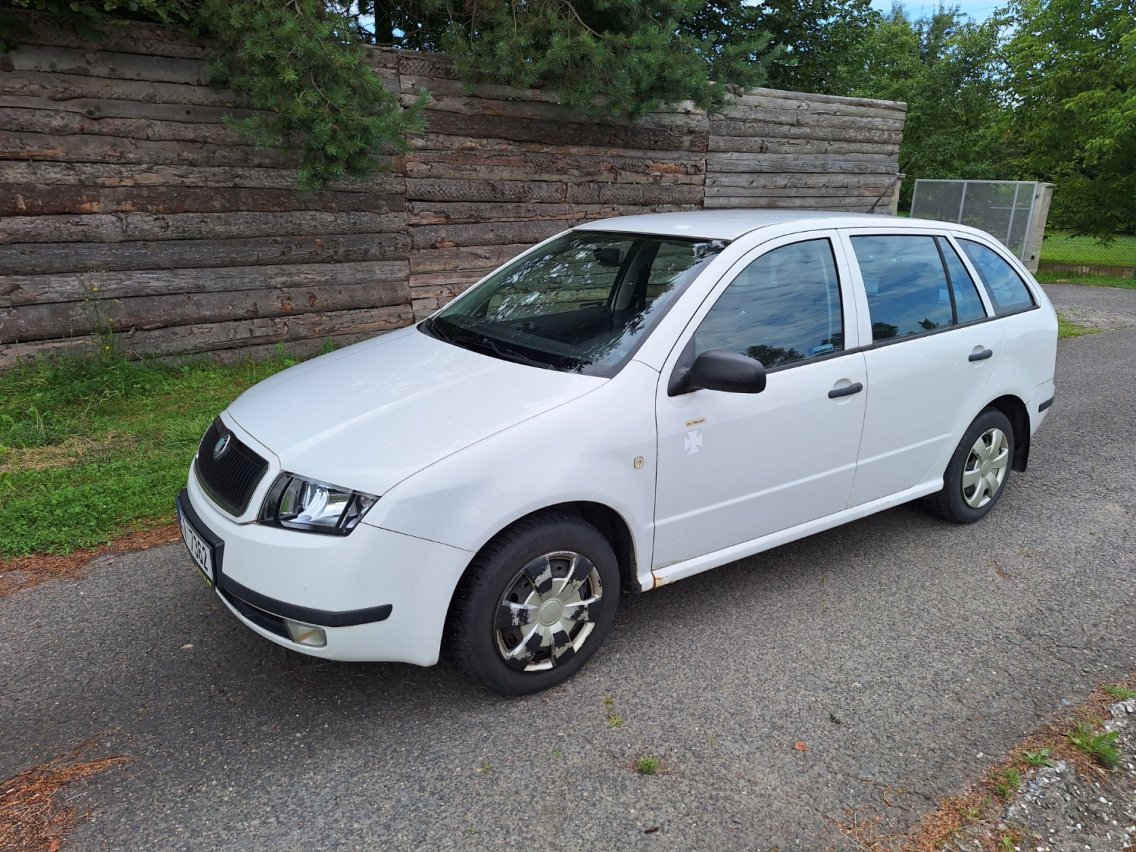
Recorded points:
(306, 634)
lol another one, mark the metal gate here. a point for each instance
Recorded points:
(1010, 210)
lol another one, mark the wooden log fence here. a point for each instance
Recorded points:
(128, 205)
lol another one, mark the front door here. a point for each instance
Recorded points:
(733, 467)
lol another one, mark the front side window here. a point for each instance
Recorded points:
(582, 302)
(1007, 290)
(781, 309)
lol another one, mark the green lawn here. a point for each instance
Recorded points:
(94, 448)
(1064, 248)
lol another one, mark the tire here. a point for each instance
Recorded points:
(534, 605)
(978, 470)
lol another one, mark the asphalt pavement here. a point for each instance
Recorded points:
(904, 653)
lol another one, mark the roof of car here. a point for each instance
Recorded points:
(730, 224)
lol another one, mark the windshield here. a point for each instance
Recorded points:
(583, 302)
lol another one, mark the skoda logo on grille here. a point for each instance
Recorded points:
(222, 446)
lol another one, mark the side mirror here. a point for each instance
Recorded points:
(721, 371)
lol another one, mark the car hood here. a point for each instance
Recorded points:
(368, 416)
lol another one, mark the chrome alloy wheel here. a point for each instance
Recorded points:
(985, 468)
(546, 614)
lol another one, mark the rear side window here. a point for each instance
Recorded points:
(1007, 290)
(781, 309)
(968, 304)
(906, 284)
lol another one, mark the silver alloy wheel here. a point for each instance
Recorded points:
(985, 468)
(547, 611)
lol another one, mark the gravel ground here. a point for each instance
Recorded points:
(1064, 808)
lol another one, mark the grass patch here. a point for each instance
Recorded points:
(1086, 280)
(1068, 328)
(1100, 746)
(1065, 248)
(1119, 691)
(647, 766)
(95, 448)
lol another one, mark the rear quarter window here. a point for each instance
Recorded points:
(1007, 290)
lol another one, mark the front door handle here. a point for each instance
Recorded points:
(847, 390)
(981, 355)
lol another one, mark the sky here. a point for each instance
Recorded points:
(978, 10)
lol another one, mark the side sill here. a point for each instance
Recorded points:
(689, 567)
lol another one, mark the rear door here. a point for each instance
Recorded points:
(928, 365)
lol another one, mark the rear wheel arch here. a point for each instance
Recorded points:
(1018, 415)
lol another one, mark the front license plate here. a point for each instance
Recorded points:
(199, 549)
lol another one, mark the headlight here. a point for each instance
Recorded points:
(307, 504)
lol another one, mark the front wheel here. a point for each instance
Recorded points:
(534, 605)
(978, 470)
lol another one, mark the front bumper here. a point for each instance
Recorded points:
(379, 595)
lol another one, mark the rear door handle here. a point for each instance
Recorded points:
(981, 355)
(847, 390)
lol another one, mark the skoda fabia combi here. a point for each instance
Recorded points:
(624, 405)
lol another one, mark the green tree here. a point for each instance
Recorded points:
(617, 57)
(945, 68)
(1072, 71)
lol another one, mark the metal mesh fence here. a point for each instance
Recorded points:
(1003, 209)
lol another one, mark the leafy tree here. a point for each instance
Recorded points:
(946, 69)
(1073, 75)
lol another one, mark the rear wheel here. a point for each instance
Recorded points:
(978, 470)
(534, 605)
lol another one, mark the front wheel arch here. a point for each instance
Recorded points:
(470, 631)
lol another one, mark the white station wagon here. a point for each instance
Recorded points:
(626, 404)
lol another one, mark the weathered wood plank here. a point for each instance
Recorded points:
(101, 62)
(796, 179)
(105, 108)
(65, 122)
(556, 133)
(809, 119)
(462, 212)
(43, 84)
(551, 192)
(41, 199)
(759, 192)
(17, 290)
(114, 149)
(861, 205)
(486, 233)
(134, 227)
(553, 167)
(150, 176)
(505, 103)
(132, 37)
(463, 260)
(847, 163)
(833, 104)
(424, 63)
(49, 258)
(430, 145)
(208, 337)
(205, 337)
(125, 315)
(766, 145)
(731, 128)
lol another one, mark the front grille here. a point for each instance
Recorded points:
(231, 478)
